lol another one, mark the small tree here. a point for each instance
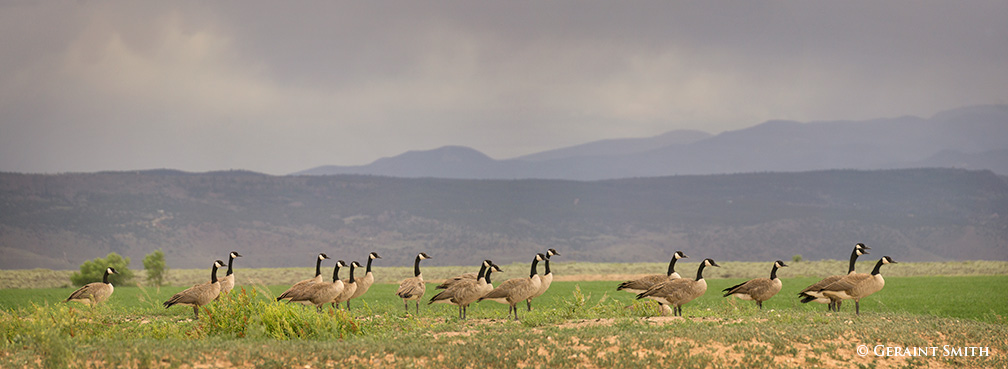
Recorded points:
(796, 258)
(154, 264)
(93, 270)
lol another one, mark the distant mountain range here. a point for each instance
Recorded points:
(967, 138)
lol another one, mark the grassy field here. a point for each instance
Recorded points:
(575, 324)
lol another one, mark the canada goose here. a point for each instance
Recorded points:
(642, 284)
(349, 287)
(758, 289)
(547, 279)
(302, 284)
(228, 282)
(811, 293)
(859, 285)
(677, 292)
(413, 288)
(94, 292)
(465, 276)
(319, 294)
(467, 291)
(515, 290)
(200, 294)
(365, 283)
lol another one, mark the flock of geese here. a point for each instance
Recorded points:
(670, 290)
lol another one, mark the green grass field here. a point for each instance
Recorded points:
(575, 324)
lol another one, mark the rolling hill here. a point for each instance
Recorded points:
(58, 221)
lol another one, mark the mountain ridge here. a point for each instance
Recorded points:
(774, 145)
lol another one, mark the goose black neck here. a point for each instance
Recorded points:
(335, 273)
(487, 277)
(416, 267)
(369, 259)
(547, 265)
(105, 277)
(699, 271)
(230, 260)
(318, 267)
(773, 272)
(878, 266)
(352, 267)
(671, 266)
(213, 274)
(535, 263)
(853, 259)
(482, 272)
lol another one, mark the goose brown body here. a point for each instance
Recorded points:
(300, 287)
(812, 293)
(859, 285)
(200, 294)
(364, 283)
(516, 290)
(466, 291)
(320, 293)
(228, 282)
(758, 289)
(413, 289)
(677, 292)
(546, 279)
(95, 292)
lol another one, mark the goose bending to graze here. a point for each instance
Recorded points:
(200, 294)
(228, 282)
(859, 285)
(547, 279)
(298, 287)
(642, 284)
(95, 292)
(467, 291)
(349, 287)
(515, 290)
(363, 284)
(677, 292)
(413, 288)
(464, 276)
(811, 293)
(758, 289)
(319, 294)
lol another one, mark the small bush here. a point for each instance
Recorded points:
(246, 314)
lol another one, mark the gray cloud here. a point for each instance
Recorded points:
(279, 87)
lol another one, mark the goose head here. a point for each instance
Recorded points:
(779, 264)
(234, 254)
(373, 255)
(423, 256)
(322, 256)
(679, 255)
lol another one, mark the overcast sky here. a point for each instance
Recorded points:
(281, 86)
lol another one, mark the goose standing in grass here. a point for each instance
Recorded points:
(758, 289)
(465, 276)
(811, 293)
(642, 284)
(516, 290)
(349, 287)
(200, 294)
(466, 291)
(363, 284)
(413, 288)
(677, 292)
(319, 294)
(298, 287)
(547, 279)
(94, 292)
(228, 282)
(859, 285)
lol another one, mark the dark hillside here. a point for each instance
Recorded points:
(58, 221)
